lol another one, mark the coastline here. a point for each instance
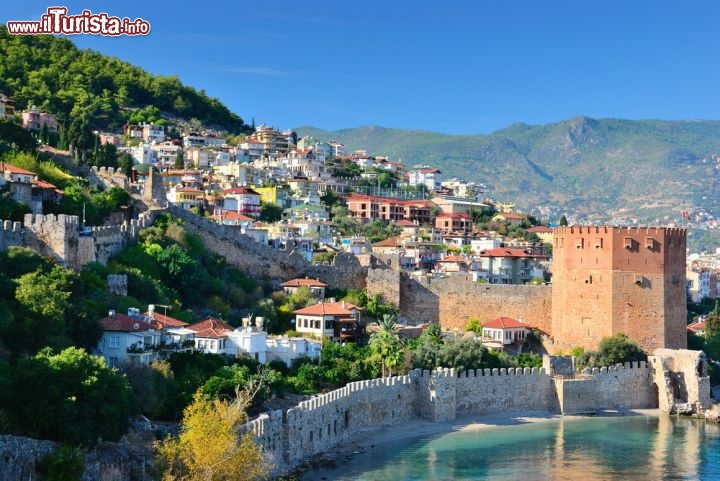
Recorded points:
(326, 466)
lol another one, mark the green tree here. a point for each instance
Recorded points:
(563, 221)
(179, 160)
(71, 397)
(270, 212)
(386, 345)
(463, 354)
(613, 350)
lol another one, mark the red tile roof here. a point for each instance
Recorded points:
(391, 242)
(405, 223)
(161, 321)
(232, 215)
(505, 252)
(328, 309)
(43, 185)
(211, 328)
(124, 323)
(696, 327)
(505, 323)
(454, 258)
(511, 216)
(190, 190)
(240, 190)
(6, 167)
(303, 282)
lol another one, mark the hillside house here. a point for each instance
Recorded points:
(317, 288)
(211, 336)
(505, 332)
(128, 339)
(34, 119)
(242, 200)
(509, 266)
(339, 321)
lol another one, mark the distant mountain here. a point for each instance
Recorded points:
(646, 171)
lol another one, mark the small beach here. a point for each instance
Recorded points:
(328, 465)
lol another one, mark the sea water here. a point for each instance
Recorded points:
(597, 448)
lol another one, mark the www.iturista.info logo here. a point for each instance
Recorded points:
(57, 21)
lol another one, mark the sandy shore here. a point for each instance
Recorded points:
(326, 465)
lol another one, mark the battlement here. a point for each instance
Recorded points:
(619, 230)
(642, 365)
(350, 390)
(10, 226)
(512, 371)
(32, 220)
(106, 171)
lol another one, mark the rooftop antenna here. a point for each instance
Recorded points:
(83, 221)
(163, 306)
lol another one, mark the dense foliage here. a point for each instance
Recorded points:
(612, 350)
(88, 90)
(70, 396)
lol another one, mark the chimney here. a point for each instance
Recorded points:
(343, 304)
(111, 312)
(151, 311)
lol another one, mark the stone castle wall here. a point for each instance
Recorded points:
(324, 422)
(628, 386)
(266, 262)
(11, 234)
(21, 458)
(105, 177)
(454, 300)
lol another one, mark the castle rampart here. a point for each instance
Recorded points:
(327, 420)
(266, 262)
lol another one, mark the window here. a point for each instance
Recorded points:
(628, 243)
(649, 243)
(115, 341)
(113, 361)
(580, 243)
(598, 243)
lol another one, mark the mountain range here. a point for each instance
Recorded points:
(600, 170)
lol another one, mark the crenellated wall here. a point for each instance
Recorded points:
(266, 262)
(624, 386)
(339, 416)
(11, 234)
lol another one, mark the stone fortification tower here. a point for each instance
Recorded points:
(610, 280)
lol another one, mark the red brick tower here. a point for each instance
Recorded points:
(610, 280)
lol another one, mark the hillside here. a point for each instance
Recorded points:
(651, 170)
(56, 76)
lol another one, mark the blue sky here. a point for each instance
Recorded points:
(451, 66)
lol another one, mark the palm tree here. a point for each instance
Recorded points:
(386, 344)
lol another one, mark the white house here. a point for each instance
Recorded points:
(504, 331)
(211, 336)
(340, 321)
(288, 349)
(128, 338)
(242, 200)
(429, 177)
(249, 341)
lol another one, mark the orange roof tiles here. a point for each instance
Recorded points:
(4, 166)
(124, 323)
(303, 282)
(161, 321)
(211, 328)
(328, 309)
(504, 323)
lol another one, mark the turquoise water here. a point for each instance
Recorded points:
(602, 448)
